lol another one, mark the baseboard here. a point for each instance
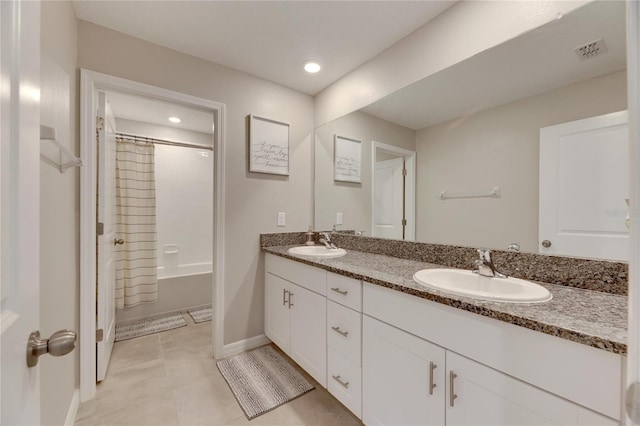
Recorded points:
(73, 408)
(245, 345)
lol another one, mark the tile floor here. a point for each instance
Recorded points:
(171, 378)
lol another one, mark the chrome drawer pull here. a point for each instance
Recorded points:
(337, 330)
(290, 296)
(337, 290)
(452, 394)
(432, 385)
(344, 384)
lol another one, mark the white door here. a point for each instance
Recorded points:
(106, 315)
(484, 396)
(19, 209)
(276, 321)
(402, 377)
(584, 181)
(308, 340)
(388, 203)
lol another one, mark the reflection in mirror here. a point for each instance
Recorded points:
(476, 126)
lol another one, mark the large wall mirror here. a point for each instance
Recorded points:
(457, 155)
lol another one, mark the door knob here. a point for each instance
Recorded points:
(118, 241)
(546, 243)
(60, 343)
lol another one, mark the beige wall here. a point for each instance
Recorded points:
(353, 200)
(465, 29)
(252, 200)
(59, 204)
(498, 147)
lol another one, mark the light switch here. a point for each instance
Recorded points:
(338, 218)
(281, 219)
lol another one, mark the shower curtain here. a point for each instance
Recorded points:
(136, 259)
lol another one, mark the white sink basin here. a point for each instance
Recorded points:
(468, 284)
(317, 251)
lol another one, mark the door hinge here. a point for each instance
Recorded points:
(100, 123)
(99, 335)
(404, 222)
(99, 228)
(404, 172)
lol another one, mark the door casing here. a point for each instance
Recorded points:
(90, 83)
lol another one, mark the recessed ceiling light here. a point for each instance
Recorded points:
(174, 119)
(312, 67)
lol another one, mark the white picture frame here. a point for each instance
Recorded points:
(268, 146)
(347, 159)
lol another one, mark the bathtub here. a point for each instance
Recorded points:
(185, 287)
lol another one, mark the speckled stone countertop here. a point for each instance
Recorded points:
(592, 318)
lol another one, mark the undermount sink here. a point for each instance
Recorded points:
(317, 251)
(469, 284)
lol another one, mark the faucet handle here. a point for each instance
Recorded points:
(484, 255)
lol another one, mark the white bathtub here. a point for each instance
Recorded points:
(193, 289)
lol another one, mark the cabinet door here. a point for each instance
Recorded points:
(277, 311)
(308, 332)
(487, 397)
(396, 377)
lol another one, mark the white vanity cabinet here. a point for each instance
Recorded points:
(515, 376)
(403, 377)
(296, 313)
(393, 358)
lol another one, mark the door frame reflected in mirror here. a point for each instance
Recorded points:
(409, 193)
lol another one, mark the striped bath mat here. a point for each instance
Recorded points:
(201, 315)
(262, 380)
(150, 325)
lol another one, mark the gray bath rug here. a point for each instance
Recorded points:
(262, 380)
(201, 315)
(142, 327)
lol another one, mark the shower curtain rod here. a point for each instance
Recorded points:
(163, 142)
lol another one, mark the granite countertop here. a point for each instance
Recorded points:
(592, 318)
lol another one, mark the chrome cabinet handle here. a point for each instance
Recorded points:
(118, 241)
(452, 394)
(546, 243)
(432, 386)
(337, 330)
(344, 384)
(290, 296)
(284, 297)
(337, 290)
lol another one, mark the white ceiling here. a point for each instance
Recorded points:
(146, 110)
(269, 39)
(535, 62)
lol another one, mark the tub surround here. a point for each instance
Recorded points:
(594, 318)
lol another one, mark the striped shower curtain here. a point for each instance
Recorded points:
(136, 259)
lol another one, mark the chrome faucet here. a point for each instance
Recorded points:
(325, 238)
(485, 266)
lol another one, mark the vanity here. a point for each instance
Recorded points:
(395, 352)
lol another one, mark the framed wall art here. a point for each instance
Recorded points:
(268, 146)
(347, 159)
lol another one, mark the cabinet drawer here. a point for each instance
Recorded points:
(311, 278)
(344, 290)
(344, 331)
(344, 381)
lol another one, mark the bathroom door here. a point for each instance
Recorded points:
(19, 210)
(584, 181)
(388, 203)
(106, 308)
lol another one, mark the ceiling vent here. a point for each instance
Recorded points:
(591, 49)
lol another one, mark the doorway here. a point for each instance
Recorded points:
(393, 197)
(92, 83)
